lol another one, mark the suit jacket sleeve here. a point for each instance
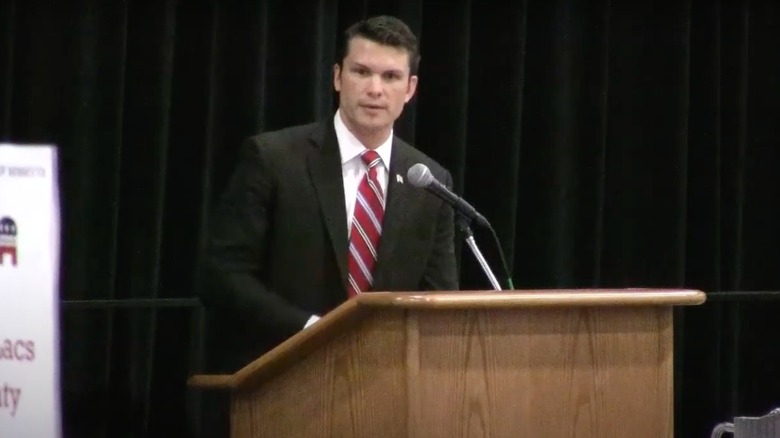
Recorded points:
(233, 265)
(441, 271)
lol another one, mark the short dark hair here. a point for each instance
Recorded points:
(385, 30)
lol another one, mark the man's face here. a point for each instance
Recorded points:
(374, 85)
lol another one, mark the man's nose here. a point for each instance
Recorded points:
(375, 85)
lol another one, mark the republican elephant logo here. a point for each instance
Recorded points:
(8, 249)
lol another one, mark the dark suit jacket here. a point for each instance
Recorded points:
(277, 252)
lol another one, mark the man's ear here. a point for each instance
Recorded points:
(411, 89)
(336, 77)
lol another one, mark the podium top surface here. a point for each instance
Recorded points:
(351, 311)
(532, 298)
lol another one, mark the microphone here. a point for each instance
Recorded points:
(420, 176)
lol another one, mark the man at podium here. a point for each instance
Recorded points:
(315, 214)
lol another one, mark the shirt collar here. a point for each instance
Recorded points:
(350, 147)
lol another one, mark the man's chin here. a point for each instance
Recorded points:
(372, 124)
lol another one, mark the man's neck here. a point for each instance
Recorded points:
(371, 139)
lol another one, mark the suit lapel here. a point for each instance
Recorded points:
(396, 214)
(324, 164)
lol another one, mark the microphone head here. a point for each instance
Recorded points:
(419, 175)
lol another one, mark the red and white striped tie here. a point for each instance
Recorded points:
(366, 227)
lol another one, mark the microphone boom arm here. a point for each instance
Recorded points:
(463, 223)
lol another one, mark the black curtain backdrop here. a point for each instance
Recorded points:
(610, 143)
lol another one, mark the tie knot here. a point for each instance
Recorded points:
(371, 158)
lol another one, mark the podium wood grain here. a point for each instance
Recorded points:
(459, 366)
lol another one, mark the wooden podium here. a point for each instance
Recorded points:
(549, 363)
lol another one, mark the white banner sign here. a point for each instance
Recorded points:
(29, 292)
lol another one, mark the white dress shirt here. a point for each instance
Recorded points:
(353, 169)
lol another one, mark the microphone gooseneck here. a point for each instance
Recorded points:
(421, 176)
